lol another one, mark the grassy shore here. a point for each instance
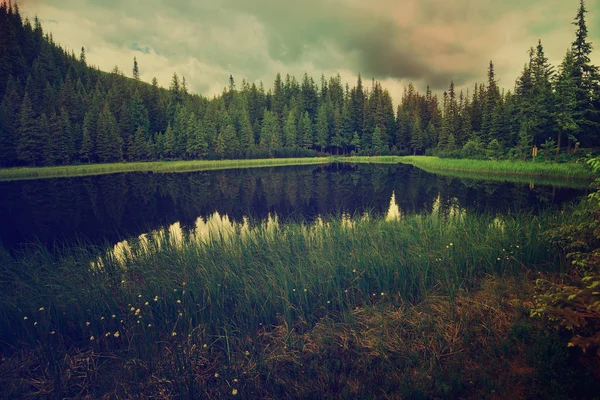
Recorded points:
(502, 167)
(432, 307)
(579, 175)
(9, 174)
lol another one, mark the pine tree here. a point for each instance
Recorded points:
(565, 113)
(491, 98)
(290, 136)
(197, 146)
(305, 131)
(418, 137)
(169, 148)
(9, 122)
(246, 133)
(322, 129)
(377, 140)
(30, 141)
(44, 129)
(87, 144)
(140, 150)
(586, 79)
(136, 71)
(108, 141)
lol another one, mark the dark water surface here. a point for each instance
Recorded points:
(110, 208)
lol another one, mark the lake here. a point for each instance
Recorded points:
(110, 208)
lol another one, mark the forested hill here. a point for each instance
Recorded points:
(58, 110)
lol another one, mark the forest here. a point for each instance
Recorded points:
(58, 110)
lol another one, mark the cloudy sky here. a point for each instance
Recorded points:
(394, 41)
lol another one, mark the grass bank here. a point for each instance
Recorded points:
(9, 174)
(432, 307)
(578, 175)
(502, 167)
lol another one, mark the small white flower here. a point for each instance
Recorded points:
(25, 318)
(178, 301)
(42, 309)
(87, 323)
(234, 392)
(174, 334)
(205, 346)
(35, 323)
(92, 338)
(116, 334)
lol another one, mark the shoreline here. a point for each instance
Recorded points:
(465, 168)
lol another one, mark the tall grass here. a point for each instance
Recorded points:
(182, 309)
(154, 166)
(240, 281)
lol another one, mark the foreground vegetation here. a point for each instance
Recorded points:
(432, 306)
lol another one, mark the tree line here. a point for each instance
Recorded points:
(58, 110)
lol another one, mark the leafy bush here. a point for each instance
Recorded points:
(573, 302)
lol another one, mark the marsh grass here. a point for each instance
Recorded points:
(252, 310)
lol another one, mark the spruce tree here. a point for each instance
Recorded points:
(305, 131)
(169, 147)
(30, 141)
(9, 123)
(322, 129)
(108, 141)
(586, 79)
(136, 71)
(290, 136)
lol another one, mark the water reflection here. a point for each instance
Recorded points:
(111, 208)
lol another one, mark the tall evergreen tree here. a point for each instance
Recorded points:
(108, 141)
(586, 78)
(30, 142)
(290, 136)
(136, 70)
(322, 129)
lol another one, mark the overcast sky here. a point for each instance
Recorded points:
(394, 41)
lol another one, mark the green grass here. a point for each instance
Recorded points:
(9, 174)
(185, 315)
(579, 175)
(503, 167)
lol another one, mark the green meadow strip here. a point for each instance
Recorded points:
(514, 171)
(9, 174)
(509, 167)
